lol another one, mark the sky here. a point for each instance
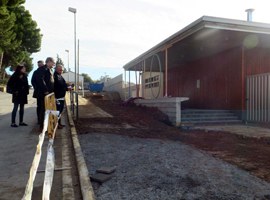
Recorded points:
(113, 32)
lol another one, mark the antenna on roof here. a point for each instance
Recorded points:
(249, 14)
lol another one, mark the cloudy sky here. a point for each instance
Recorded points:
(113, 32)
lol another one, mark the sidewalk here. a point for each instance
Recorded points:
(245, 130)
(17, 149)
(88, 110)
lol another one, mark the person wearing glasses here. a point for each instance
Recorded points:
(60, 88)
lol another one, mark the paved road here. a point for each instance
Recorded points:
(17, 149)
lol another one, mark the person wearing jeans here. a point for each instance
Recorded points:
(21, 113)
(18, 83)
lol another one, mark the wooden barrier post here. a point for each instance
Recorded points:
(50, 105)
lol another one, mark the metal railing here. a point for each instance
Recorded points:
(74, 103)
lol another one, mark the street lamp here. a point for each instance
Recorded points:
(68, 62)
(73, 10)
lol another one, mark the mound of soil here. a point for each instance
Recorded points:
(250, 154)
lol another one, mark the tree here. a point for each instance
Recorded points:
(7, 21)
(7, 35)
(59, 61)
(11, 3)
(24, 36)
(27, 36)
(87, 78)
(104, 78)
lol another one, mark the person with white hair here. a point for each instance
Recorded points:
(60, 88)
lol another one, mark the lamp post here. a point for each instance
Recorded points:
(68, 62)
(78, 65)
(73, 10)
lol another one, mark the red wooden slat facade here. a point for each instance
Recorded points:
(222, 78)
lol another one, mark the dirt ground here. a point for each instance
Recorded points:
(250, 154)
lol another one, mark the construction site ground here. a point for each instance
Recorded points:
(203, 159)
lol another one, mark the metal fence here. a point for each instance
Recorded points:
(258, 98)
(74, 103)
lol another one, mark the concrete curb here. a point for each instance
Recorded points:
(67, 183)
(85, 184)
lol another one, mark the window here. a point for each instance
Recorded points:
(152, 82)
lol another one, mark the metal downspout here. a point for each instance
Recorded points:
(129, 92)
(166, 72)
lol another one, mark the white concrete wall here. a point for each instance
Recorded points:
(169, 106)
(70, 77)
(134, 91)
(115, 84)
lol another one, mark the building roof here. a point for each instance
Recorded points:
(209, 35)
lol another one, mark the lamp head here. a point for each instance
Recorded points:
(73, 10)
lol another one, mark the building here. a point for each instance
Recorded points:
(217, 63)
(70, 78)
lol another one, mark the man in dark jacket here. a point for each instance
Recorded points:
(34, 78)
(60, 88)
(44, 85)
(34, 83)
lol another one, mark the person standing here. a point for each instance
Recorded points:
(60, 88)
(34, 83)
(18, 83)
(44, 86)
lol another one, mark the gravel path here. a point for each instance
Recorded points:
(157, 169)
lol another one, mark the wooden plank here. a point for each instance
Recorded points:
(51, 105)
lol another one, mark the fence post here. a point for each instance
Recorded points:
(50, 105)
(74, 101)
(77, 106)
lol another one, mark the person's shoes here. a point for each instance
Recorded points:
(23, 124)
(40, 129)
(14, 125)
(60, 126)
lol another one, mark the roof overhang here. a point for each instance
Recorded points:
(208, 35)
